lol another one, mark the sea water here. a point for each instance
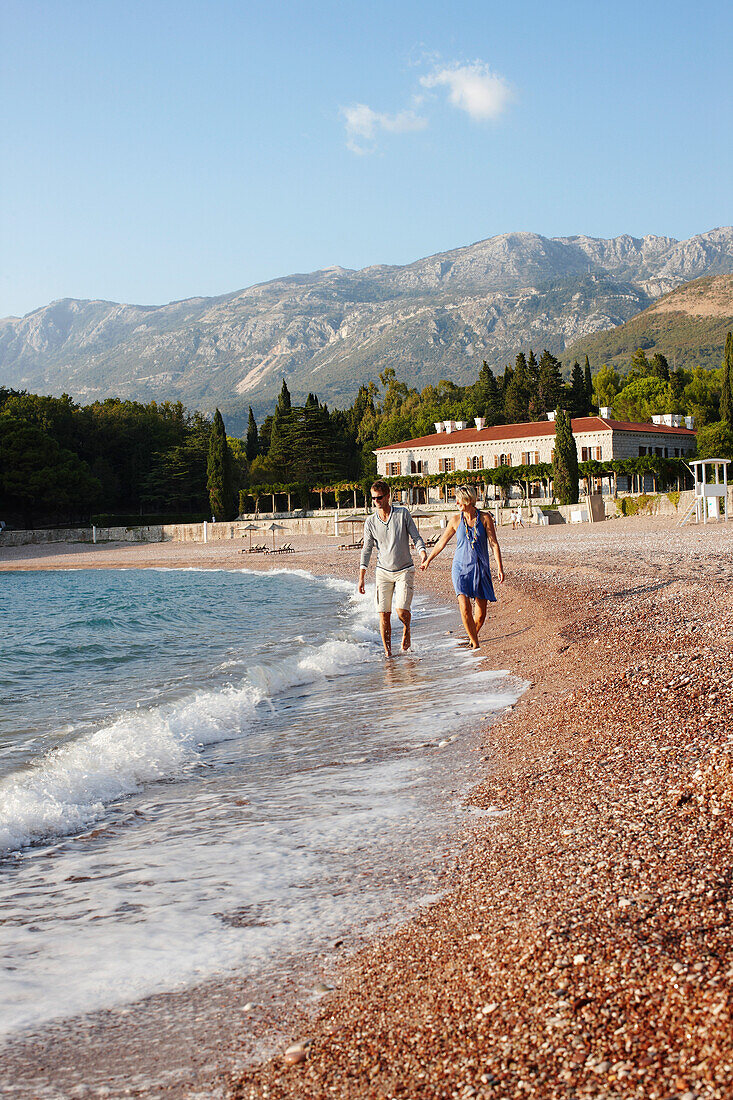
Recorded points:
(203, 770)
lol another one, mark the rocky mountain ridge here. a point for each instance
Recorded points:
(330, 330)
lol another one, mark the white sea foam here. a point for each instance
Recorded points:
(286, 839)
(68, 788)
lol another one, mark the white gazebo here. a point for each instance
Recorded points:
(708, 495)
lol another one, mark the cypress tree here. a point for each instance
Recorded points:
(533, 368)
(252, 440)
(220, 482)
(283, 401)
(587, 378)
(726, 397)
(565, 472)
(577, 391)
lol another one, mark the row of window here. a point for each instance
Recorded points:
(476, 462)
(527, 458)
(663, 452)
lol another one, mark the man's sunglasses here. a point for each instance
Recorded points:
(380, 497)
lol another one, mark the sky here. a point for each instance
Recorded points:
(153, 151)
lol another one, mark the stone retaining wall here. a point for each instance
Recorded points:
(322, 523)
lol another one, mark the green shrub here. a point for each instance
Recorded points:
(634, 506)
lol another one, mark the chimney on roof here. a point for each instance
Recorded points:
(438, 425)
(551, 415)
(460, 425)
(605, 412)
(448, 425)
(690, 423)
(479, 421)
(658, 419)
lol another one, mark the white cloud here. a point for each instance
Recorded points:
(363, 125)
(472, 88)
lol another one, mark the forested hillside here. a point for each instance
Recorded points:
(62, 462)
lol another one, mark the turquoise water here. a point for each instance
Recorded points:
(202, 770)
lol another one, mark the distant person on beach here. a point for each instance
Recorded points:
(475, 532)
(390, 529)
(517, 518)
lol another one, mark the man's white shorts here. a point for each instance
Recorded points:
(395, 586)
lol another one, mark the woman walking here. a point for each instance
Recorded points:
(474, 532)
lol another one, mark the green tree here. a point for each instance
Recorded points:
(678, 379)
(517, 393)
(487, 396)
(726, 396)
(565, 472)
(640, 365)
(265, 435)
(715, 440)
(219, 479)
(606, 385)
(578, 402)
(550, 381)
(659, 366)
(283, 401)
(641, 398)
(252, 439)
(588, 382)
(533, 368)
(701, 397)
(39, 478)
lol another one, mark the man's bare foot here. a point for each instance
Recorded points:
(406, 638)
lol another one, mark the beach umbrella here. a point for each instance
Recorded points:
(355, 519)
(419, 514)
(251, 527)
(275, 527)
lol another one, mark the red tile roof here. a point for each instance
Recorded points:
(529, 431)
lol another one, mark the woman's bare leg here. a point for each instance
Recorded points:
(469, 625)
(404, 616)
(479, 615)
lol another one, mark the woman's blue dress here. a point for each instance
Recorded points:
(471, 569)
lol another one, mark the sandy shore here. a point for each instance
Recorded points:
(584, 947)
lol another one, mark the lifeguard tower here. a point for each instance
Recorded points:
(708, 494)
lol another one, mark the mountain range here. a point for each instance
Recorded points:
(330, 330)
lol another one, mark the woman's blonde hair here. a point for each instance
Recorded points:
(465, 492)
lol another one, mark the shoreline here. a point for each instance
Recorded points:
(585, 945)
(43, 1056)
(560, 963)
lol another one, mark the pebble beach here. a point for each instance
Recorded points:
(583, 946)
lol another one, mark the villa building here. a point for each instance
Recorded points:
(455, 446)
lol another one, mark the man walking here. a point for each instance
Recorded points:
(390, 529)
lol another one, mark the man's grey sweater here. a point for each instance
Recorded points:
(392, 540)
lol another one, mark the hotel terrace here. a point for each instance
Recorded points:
(455, 446)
